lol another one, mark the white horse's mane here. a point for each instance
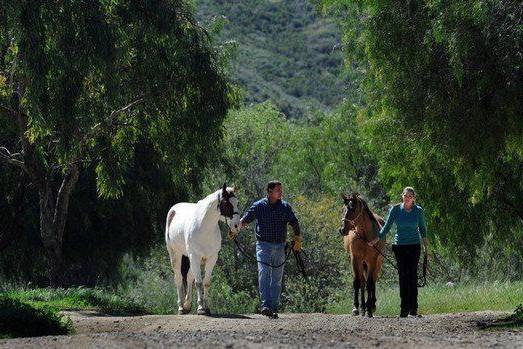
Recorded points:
(212, 199)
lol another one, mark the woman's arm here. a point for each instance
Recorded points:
(386, 227)
(422, 225)
(388, 224)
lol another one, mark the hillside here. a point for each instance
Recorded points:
(286, 52)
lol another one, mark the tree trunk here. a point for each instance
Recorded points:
(53, 216)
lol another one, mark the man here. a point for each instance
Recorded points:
(272, 215)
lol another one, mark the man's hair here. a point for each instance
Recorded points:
(272, 184)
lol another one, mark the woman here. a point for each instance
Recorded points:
(411, 230)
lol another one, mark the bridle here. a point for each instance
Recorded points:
(220, 207)
(354, 220)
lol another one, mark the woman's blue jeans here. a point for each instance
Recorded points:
(270, 279)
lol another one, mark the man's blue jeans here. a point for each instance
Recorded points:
(269, 279)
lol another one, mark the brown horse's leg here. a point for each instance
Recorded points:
(364, 275)
(356, 284)
(372, 277)
(371, 296)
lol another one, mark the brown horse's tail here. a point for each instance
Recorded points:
(186, 264)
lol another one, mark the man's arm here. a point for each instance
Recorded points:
(296, 228)
(249, 216)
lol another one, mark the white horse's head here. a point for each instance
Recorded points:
(228, 205)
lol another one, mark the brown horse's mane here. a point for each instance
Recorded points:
(369, 212)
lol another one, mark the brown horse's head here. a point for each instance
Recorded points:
(352, 208)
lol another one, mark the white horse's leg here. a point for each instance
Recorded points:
(209, 265)
(197, 273)
(176, 264)
(188, 294)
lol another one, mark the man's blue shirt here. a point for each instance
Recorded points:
(271, 219)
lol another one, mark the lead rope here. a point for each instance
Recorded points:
(297, 255)
(421, 280)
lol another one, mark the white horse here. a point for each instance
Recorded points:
(193, 238)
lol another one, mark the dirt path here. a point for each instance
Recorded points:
(291, 330)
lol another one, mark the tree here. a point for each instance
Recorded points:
(83, 82)
(443, 94)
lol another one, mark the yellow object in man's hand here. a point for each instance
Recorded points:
(233, 235)
(297, 243)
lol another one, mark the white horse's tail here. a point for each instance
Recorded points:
(186, 264)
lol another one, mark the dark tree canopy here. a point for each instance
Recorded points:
(84, 83)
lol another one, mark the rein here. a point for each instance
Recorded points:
(290, 249)
(422, 280)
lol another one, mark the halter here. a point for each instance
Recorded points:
(353, 221)
(221, 211)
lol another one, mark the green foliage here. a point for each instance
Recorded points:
(101, 82)
(517, 317)
(228, 300)
(440, 298)
(19, 319)
(149, 281)
(442, 111)
(78, 298)
(286, 53)
(321, 155)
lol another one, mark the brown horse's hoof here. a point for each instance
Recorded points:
(369, 314)
(355, 312)
(183, 311)
(203, 311)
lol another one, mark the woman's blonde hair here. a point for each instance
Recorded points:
(409, 190)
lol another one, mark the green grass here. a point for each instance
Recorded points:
(439, 298)
(78, 298)
(20, 319)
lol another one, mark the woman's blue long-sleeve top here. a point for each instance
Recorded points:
(411, 226)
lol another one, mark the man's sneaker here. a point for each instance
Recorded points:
(414, 314)
(274, 316)
(266, 311)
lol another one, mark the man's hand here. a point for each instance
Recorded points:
(297, 243)
(233, 235)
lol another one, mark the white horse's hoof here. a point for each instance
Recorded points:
(201, 311)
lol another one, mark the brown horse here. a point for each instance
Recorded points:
(360, 225)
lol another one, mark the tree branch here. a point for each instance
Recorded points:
(127, 107)
(96, 129)
(62, 200)
(10, 158)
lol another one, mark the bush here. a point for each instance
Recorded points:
(78, 298)
(19, 319)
